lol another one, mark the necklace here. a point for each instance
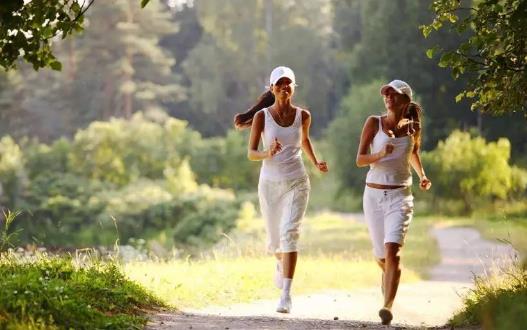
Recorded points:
(280, 117)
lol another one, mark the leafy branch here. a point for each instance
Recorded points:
(493, 55)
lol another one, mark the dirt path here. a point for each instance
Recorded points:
(422, 304)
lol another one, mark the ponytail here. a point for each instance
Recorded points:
(245, 120)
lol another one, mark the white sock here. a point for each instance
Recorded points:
(286, 287)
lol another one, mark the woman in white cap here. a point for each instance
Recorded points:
(284, 186)
(390, 145)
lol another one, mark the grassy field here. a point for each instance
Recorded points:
(335, 254)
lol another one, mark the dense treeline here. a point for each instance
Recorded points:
(203, 61)
(97, 145)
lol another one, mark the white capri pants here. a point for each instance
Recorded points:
(388, 213)
(283, 205)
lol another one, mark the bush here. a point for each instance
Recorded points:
(222, 162)
(60, 205)
(121, 151)
(473, 170)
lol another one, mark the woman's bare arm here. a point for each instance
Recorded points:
(364, 158)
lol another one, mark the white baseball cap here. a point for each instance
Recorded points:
(399, 86)
(281, 72)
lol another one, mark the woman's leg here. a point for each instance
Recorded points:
(296, 200)
(271, 206)
(382, 265)
(392, 273)
(289, 264)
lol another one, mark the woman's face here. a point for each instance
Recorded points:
(283, 89)
(394, 101)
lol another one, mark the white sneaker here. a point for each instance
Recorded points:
(278, 278)
(284, 306)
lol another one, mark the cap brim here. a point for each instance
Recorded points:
(386, 87)
(283, 76)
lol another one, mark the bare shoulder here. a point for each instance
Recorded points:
(305, 114)
(259, 115)
(372, 121)
(259, 120)
(371, 125)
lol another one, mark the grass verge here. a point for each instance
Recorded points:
(57, 293)
(497, 302)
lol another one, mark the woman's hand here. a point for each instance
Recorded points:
(275, 148)
(322, 166)
(388, 149)
(425, 183)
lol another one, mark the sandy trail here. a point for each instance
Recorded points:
(464, 253)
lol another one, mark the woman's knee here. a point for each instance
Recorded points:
(393, 252)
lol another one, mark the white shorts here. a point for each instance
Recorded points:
(388, 214)
(283, 205)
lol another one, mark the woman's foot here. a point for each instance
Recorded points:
(284, 306)
(386, 316)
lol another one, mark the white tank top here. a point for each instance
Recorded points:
(393, 169)
(287, 164)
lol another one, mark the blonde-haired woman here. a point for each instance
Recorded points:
(390, 145)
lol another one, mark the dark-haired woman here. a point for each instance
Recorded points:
(284, 186)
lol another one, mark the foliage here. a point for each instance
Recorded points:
(261, 35)
(120, 180)
(121, 151)
(12, 174)
(60, 207)
(470, 169)
(7, 237)
(343, 134)
(29, 27)
(496, 303)
(390, 46)
(57, 293)
(493, 52)
(223, 162)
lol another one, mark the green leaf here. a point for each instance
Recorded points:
(144, 3)
(445, 60)
(430, 53)
(56, 65)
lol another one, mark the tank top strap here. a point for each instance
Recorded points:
(298, 117)
(267, 115)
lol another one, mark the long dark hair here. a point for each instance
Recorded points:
(245, 120)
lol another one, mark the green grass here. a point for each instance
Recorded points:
(500, 301)
(497, 302)
(335, 254)
(58, 293)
